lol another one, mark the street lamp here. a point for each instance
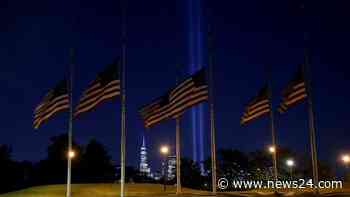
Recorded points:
(346, 159)
(290, 163)
(164, 150)
(71, 154)
(272, 149)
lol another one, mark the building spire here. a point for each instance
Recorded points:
(143, 141)
(144, 167)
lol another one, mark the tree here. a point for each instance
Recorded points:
(191, 174)
(53, 170)
(5, 153)
(325, 171)
(233, 164)
(97, 165)
(14, 175)
(260, 165)
(6, 169)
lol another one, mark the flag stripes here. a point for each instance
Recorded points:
(175, 109)
(259, 106)
(188, 93)
(47, 107)
(96, 94)
(294, 92)
(55, 101)
(105, 86)
(155, 112)
(154, 106)
(255, 115)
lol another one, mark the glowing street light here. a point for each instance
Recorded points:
(164, 150)
(71, 154)
(346, 159)
(290, 163)
(272, 149)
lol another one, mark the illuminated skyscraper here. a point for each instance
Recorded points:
(171, 167)
(144, 167)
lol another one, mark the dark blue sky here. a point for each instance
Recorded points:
(248, 35)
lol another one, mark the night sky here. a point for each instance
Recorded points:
(35, 38)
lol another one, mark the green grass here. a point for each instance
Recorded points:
(98, 190)
(132, 190)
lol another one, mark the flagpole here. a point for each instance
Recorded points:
(123, 107)
(178, 144)
(311, 115)
(178, 159)
(211, 109)
(70, 126)
(312, 131)
(273, 134)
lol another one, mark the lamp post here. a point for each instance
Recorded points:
(346, 161)
(290, 163)
(164, 150)
(272, 151)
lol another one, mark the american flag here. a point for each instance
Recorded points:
(257, 107)
(54, 101)
(105, 86)
(186, 94)
(294, 92)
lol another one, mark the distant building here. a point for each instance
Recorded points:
(171, 167)
(156, 176)
(144, 167)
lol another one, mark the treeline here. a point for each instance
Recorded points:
(257, 165)
(93, 164)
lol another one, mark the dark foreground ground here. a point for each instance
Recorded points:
(152, 190)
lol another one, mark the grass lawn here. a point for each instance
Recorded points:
(135, 190)
(98, 190)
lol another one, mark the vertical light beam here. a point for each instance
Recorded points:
(196, 63)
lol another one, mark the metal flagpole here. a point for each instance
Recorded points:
(70, 126)
(211, 109)
(312, 131)
(178, 148)
(123, 107)
(178, 159)
(273, 134)
(123, 133)
(311, 122)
